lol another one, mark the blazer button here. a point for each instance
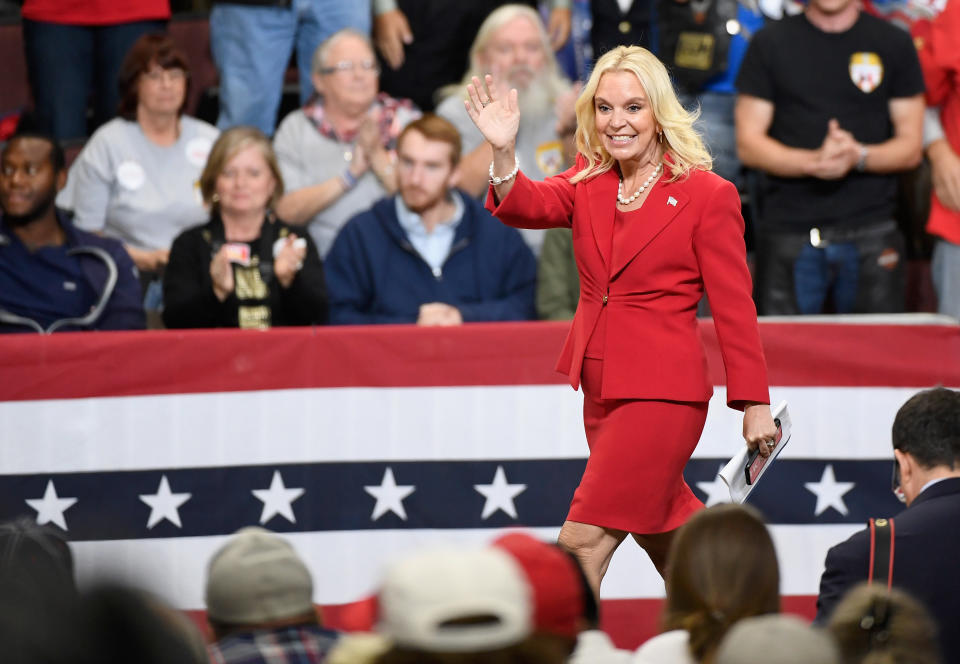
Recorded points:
(604, 298)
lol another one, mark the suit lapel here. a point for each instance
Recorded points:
(603, 202)
(663, 204)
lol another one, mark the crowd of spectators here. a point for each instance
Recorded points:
(520, 600)
(825, 143)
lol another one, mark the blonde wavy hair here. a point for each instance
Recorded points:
(680, 140)
(556, 82)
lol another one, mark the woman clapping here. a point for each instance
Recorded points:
(244, 267)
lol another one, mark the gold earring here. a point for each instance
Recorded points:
(215, 198)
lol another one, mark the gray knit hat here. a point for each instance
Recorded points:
(777, 639)
(257, 577)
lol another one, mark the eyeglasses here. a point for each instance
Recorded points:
(349, 66)
(172, 75)
(895, 483)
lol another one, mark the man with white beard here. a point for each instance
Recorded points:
(512, 45)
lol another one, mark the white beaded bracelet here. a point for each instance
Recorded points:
(494, 180)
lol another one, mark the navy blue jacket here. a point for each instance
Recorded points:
(123, 310)
(926, 556)
(374, 274)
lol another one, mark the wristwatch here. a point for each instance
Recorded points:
(862, 161)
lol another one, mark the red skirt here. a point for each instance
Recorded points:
(638, 450)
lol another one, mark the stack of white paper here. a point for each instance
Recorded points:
(733, 473)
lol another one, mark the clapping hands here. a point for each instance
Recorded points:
(289, 260)
(368, 135)
(221, 273)
(365, 146)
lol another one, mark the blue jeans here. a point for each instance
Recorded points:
(251, 46)
(66, 63)
(833, 269)
(945, 270)
(860, 269)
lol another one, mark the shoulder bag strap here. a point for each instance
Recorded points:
(881, 552)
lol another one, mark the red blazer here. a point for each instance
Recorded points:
(691, 237)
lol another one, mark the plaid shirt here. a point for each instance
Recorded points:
(392, 116)
(304, 644)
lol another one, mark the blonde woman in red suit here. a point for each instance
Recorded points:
(652, 228)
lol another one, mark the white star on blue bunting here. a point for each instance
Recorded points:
(164, 504)
(389, 496)
(499, 495)
(51, 507)
(278, 499)
(829, 492)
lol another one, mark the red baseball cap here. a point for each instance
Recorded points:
(557, 590)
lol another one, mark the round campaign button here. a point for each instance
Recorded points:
(197, 150)
(130, 175)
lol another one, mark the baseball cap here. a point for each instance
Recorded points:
(558, 605)
(257, 577)
(455, 600)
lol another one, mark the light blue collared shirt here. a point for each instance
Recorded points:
(433, 247)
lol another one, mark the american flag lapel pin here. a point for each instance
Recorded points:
(672, 201)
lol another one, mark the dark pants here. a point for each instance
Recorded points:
(68, 63)
(859, 270)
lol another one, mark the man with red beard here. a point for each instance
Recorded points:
(54, 276)
(513, 46)
(430, 255)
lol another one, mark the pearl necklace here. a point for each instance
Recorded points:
(636, 194)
